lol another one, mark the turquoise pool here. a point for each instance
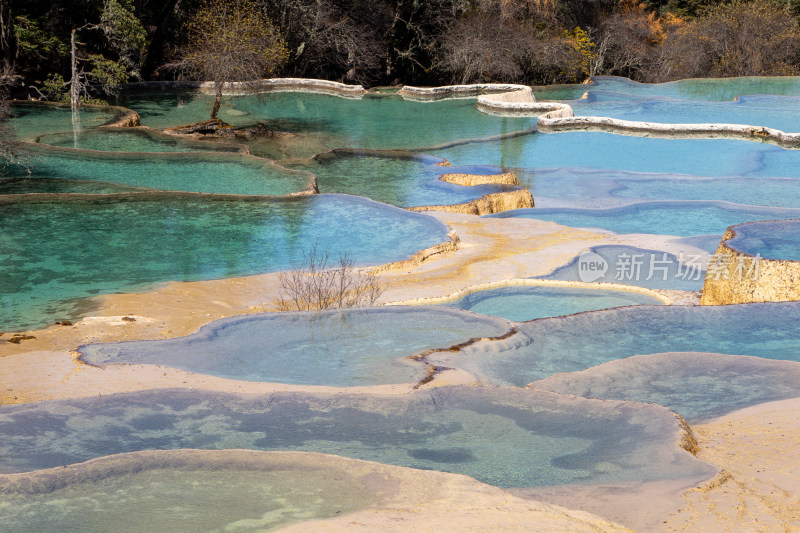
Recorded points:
(505, 437)
(697, 386)
(548, 346)
(348, 122)
(186, 172)
(182, 491)
(91, 221)
(131, 140)
(32, 120)
(366, 346)
(628, 265)
(57, 252)
(777, 239)
(682, 219)
(527, 303)
(397, 180)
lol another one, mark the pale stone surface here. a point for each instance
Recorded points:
(757, 447)
(450, 91)
(270, 84)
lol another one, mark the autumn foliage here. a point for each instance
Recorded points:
(430, 42)
(231, 41)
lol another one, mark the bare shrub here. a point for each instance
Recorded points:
(629, 40)
(741, 38)
(320, 283)
(508, 42)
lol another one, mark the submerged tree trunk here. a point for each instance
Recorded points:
(217, 102)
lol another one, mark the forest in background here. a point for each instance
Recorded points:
(422, 42)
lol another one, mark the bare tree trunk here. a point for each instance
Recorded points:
(8, 39)
(74, 94)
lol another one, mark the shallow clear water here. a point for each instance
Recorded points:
(527, 303)
(179, 492)
(402, 181)
(569, 344)
(571, 187)
(635, 266)
(779, 112)
(28, 184)
(374, 121)
(608, 151)
(32, 120)
(508, 438)
(721, 89)
(131, 140)
(774, 192)
(54, 251)
(353, 347)
(779, 239)
(190, 172)
(696, 386)
(683, 219)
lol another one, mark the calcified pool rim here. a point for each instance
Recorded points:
(741, 277)
(529, 282)
(554, 117)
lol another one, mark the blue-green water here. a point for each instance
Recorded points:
(721, 89)
(367, 346)
(505, 437)
(779, 239)
(779, 112)
(609, 151)
(683, 219)
(697, 386)
(190, 172)
(55, 251)
(182, 491)
(548, 346)
(32, 120)
(527, 303)
(399, 180)
(374, 121)
(131, 140)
